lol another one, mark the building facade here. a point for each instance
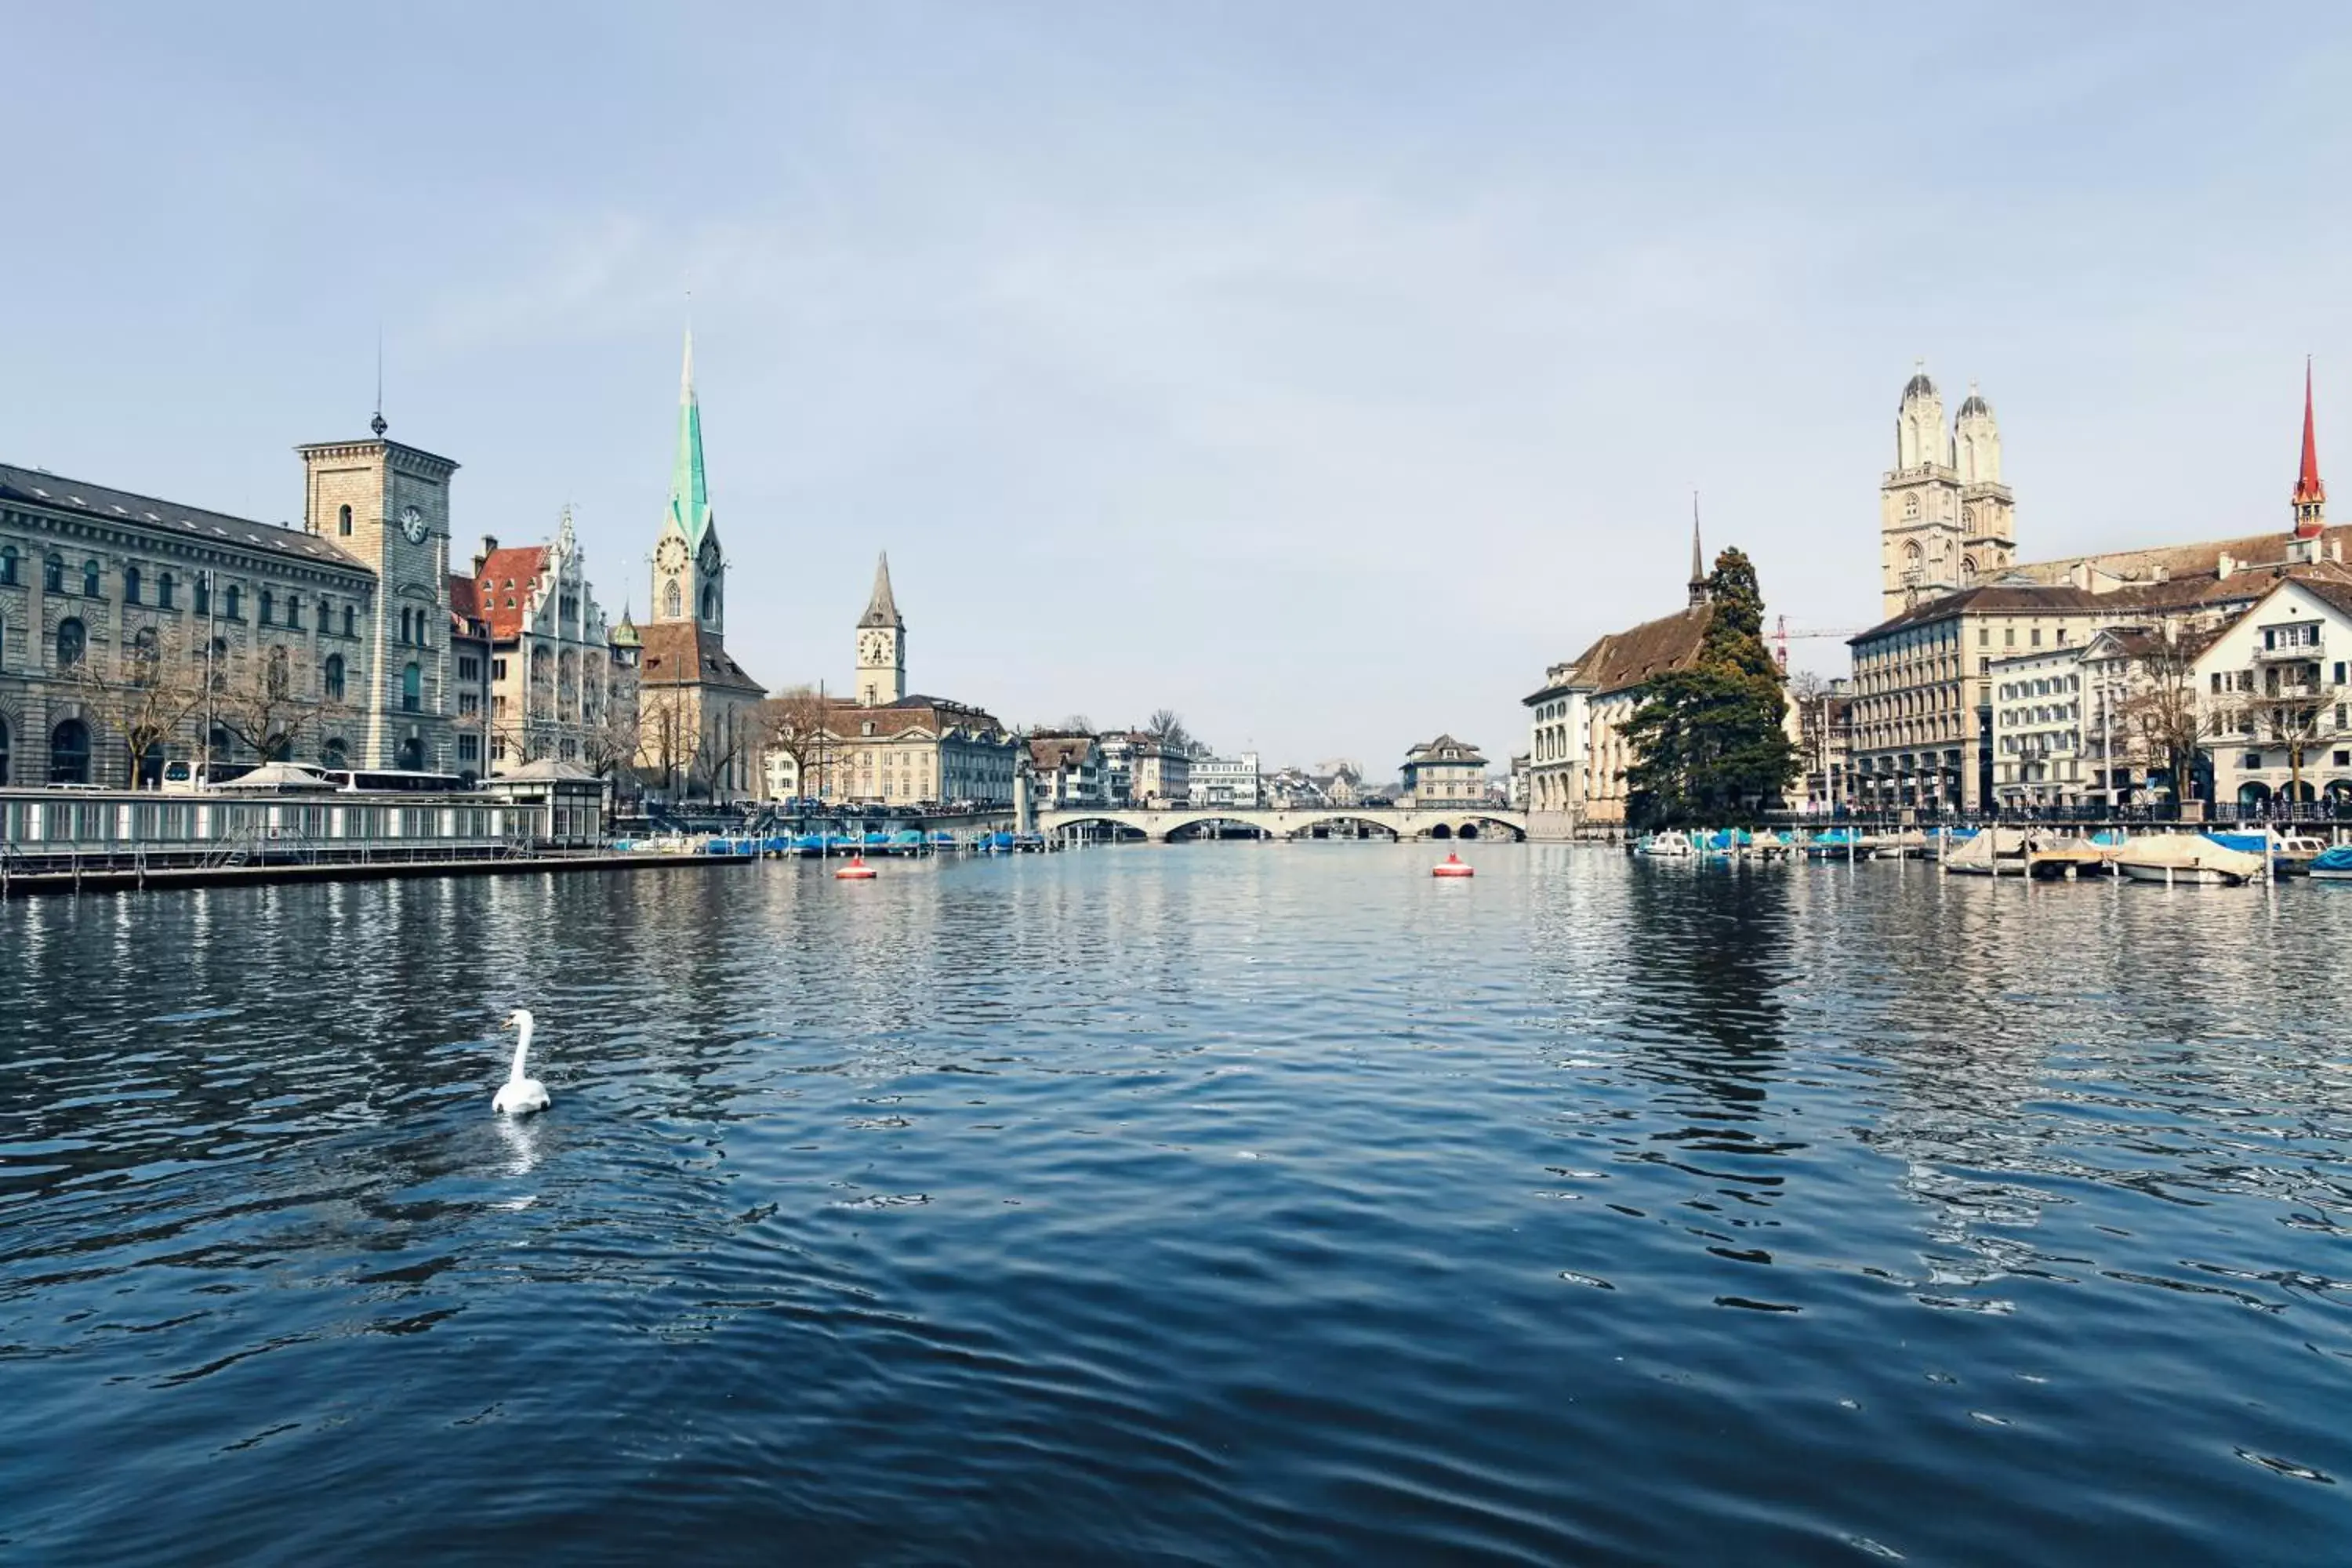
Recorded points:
(1556, 752)
(2277, 700)
(1444, 771)
(1233, 782)
(558, 687)
(2039, 755)
(1064, 770)
(327, 644)
(698, 730)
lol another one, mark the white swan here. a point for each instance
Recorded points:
(519, 1096)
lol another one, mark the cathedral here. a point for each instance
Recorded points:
(1945, 520)
(698, 709)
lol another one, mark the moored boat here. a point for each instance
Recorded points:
(1672, 844)
(2333, 864)
(2187, 858)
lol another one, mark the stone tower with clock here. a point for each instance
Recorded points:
(387, 506)
(881, 646)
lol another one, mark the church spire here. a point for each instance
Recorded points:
(689, 491)
(1698, 560)
(2310, 495)
(882, 610)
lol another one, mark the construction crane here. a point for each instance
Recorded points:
(1781, 636)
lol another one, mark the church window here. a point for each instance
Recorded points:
(343, 522)
(130, 584)
(73, 642)
(411, 690)
(1911, 506)
(1968, 568)
(332, 676)
(672, 601)
(53, 575)
(90, 579)
(710, 603)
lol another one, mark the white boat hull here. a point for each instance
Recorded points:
(2179, 875)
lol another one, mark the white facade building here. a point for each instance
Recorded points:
(2039, 754)
(1227, 781)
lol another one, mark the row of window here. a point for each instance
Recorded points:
(2053, 686)
(272, 610)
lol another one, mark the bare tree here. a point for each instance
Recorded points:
(793, 722)
(2165, 711)
(669, 736)
(269, 697)
(727, 739)
(612, 741)
(1167, 727)
(153, 693)
(2288, 714)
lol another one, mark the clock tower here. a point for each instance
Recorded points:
(689, 567)
(881, 646)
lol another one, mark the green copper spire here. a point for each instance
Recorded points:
(689, 491)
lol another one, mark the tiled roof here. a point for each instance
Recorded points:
(2019, 598)
(936, 714)
(679, 653)
(2199, 560)
(168, 519)
(1630, 658)
(508, 578)
(462, 601)
(1050, 753)
(1433, 752)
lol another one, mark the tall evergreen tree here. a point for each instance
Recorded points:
(1709, 737)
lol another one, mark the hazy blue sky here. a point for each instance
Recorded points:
(1319, 371)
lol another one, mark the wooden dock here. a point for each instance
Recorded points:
(130, 878)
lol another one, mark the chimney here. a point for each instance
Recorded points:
(2223, 567)
(489, 548)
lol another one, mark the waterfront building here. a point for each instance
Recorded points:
(559, 687)
(697, 729)
(1924, 690)
(2038, 758)
(329, 643)
(1823, 720)
(889, 748)
(1556, 752)
(1515, 790)
(1946, 520)
(1064, 770)
(1227, 781)
(1444, 771)
(1140, 768)
(2276, 700)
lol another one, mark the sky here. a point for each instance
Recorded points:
(1320, 372)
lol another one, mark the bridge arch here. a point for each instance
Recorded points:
(1325, 819)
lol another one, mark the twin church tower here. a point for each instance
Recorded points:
(1945, 520)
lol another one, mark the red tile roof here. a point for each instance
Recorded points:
(506, 583)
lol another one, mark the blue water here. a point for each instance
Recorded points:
(1207, 1203)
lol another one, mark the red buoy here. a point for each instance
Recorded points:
(857, 871)
(1451, 866)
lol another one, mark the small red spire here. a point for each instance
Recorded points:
(2310, 495)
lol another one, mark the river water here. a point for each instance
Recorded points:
(1208, 1204)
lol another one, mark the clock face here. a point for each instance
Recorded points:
(671, 555)
(873, 648)
(711, 556)
(412, 523)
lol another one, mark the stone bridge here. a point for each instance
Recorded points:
(1161, 824)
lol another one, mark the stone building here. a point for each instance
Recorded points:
(1946, 520)
(2275, 692)
(328, 643)
(1227, 781)
(552, 683)
(1556, 754)
(1064, 770)
(1444, 771)
(893, 749)
(698, 729)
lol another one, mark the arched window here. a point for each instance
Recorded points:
(412, 755)
(343, 522)
(164, 590)
(53, 575)
(673, 602)
(336, 752)
(411, 690)
(4, 750)
(70, 752)
(331, 676)
(347, 622)
(73, 642)
(204, 593)
(130, 584)
(710, 602)
(325, 611)
(90, 579)
(223, 742)
(293, 612)
(1968, 569)
(8, 565)
(269, 606)
(146, 657)
(229, 608)
(1911, 506)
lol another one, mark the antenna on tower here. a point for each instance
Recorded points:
(378, 424)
